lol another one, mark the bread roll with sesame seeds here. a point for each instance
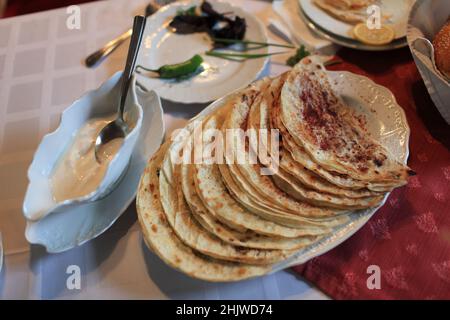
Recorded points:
(441, 45)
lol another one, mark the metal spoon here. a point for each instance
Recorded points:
(98, 56)
(119, 128)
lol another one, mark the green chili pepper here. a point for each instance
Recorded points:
(178, 70)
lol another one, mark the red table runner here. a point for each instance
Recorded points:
(409, 237)
(19, 7)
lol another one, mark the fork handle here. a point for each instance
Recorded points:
(98, 56)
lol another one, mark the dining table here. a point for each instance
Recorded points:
(42, 73)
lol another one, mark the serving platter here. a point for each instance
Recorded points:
(387, 123)
(160, 46)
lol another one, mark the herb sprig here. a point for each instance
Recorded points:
(299, 55)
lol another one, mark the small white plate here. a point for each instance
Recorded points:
(348, 42)
(62, 231)
(397, 10)
(387, 123)
(220, 77)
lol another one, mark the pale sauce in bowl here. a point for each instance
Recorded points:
(77, 172)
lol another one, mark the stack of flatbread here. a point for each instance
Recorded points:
(350, 11)
(233, 212)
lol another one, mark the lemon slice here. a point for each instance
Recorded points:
(376, 37)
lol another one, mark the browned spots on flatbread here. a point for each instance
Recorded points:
(242, 271)
(154, 228)
(218, 205)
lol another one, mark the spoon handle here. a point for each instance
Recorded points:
(136, 37)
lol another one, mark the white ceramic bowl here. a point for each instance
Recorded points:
(425, 20)
(39, 201)
(59, 232)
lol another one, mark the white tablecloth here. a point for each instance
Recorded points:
(41, 74)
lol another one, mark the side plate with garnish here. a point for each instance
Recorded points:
(342, 33)
(216, 76)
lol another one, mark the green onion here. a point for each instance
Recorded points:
(246, 48)
(264, 44)
(240, 55)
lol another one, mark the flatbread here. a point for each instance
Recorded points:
(330, 132)
(163, 241)
(311, 203)
(295, 188)
(217, 199)
(263, 210)
(249, 239)
(193, 234)
(342, 14)
(315, 182)
(259, 118)
(288, 184)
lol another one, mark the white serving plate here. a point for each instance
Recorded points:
(426, 19)
(64, 230)
(160, 47)
(399, 10)
(387, 124)
(39, 201)
(349, 42)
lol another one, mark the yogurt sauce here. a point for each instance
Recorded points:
(78, 173)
